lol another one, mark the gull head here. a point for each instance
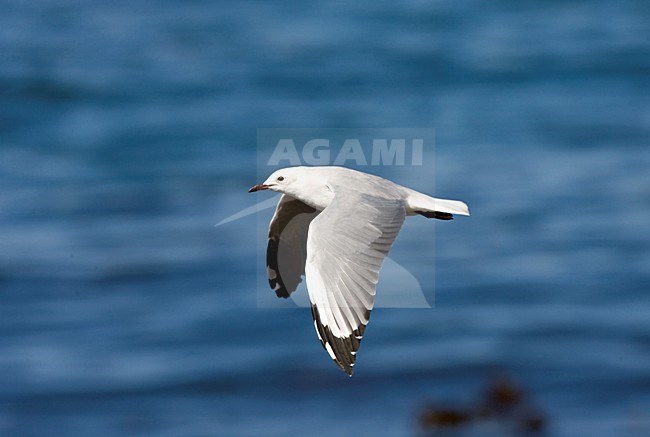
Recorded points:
(281, 180)
(307, 184)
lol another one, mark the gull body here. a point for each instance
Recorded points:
(315, 187)
(335, 226)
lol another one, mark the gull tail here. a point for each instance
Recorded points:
(431, 207)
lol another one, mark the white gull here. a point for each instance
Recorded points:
(335, 226)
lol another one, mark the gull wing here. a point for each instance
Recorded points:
(286, 251)
(346, 246)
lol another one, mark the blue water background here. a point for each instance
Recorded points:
(128, 129)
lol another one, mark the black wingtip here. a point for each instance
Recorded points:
(280, 292)
(343, 351)
(347, 368)
(436, 215)
(275, 283)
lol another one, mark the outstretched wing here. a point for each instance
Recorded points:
(346, 246)
(287, 247)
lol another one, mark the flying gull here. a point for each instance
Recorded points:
(335, 226)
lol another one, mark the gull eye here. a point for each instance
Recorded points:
(280, 178)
